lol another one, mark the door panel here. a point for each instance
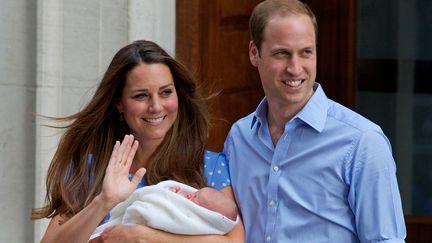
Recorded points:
(336, 48)
(212, 41)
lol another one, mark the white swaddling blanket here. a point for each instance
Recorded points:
(160, 208)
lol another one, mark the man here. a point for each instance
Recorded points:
(304, 168)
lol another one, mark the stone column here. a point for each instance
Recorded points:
(17, 106)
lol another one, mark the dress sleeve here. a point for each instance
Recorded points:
(216, 170)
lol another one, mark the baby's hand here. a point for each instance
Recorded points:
(175, 189)
(179, 191)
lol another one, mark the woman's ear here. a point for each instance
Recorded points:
(120, 110)
(119, 106)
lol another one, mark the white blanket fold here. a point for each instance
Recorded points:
(160, 208)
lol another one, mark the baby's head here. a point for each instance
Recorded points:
(215, 200)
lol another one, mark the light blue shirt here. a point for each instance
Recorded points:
(331, 177)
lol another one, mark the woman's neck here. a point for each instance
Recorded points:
(142, 156)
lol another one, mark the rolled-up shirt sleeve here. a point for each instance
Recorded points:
(374, 194)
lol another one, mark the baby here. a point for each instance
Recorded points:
(177, 208)
(211, 199)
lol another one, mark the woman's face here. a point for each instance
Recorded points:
(149, 102)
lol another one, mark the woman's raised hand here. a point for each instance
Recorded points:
(116, 185)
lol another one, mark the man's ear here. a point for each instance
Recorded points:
(253, 53)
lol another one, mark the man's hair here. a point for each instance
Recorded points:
(264, 11)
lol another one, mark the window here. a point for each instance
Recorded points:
(394, 76)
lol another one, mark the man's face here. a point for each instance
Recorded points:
(287, 60)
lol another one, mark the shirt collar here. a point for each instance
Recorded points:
(314, 113)
(260, 113)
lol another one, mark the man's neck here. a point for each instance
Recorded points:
(277, 116)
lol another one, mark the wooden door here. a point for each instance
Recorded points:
(337, 29)
(212, 41)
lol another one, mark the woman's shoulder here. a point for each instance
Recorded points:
(216, 169)
(211, 158)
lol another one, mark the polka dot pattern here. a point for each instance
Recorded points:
(216, 170)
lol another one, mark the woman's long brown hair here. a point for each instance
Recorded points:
(71, 185)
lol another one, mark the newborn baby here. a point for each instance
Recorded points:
(211, 199)
(177, 208)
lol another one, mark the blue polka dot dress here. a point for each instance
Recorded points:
(216, 170)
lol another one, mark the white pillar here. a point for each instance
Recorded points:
(17, 102)
(48, 93)
(153, 20)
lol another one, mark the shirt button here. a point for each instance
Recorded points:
(272, 203)
(276, 168)
(268, 238)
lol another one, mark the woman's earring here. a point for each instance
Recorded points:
(121, 117)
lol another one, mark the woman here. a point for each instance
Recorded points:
(151, 102)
